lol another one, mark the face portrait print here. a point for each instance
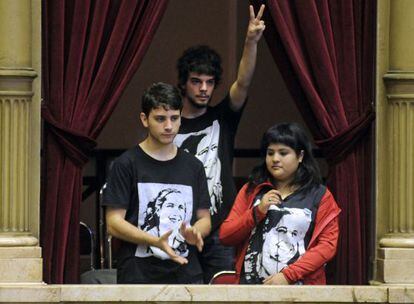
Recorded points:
(173, 210)
(172, 214)
(164, 207)
(204, 145)
(284, 243)
(281, 242)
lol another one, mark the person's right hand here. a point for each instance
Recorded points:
(270, 198)
(256, 24)
(162, 243)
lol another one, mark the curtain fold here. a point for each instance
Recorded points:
(325, 53)
(91, 50)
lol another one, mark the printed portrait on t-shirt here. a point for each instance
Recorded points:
(204, 145)
(278, 242)
(164, 207)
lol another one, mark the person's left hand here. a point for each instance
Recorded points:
(192, 236)
(276, 279)
(256, 25)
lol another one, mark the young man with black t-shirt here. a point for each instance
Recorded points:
(157, 200)
(209, 132)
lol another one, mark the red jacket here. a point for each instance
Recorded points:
(236, 230)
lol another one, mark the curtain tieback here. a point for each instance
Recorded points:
(77, 146)
(337, 147)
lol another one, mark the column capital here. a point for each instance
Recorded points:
(399, 86)
(16, 81)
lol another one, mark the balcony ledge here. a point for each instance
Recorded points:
(43, 293)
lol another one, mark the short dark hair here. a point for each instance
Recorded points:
(199, 59)
(161, 94)
(292, 135)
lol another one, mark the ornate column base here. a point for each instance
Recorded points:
(20, 259)
(395, 259)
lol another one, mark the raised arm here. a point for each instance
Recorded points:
(120, 228)
(239, 89)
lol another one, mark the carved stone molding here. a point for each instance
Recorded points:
(399, 86)
(16, 81)
(17, 72)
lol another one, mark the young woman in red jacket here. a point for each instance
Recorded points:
(284, 222)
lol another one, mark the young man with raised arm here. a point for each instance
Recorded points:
(209, 132)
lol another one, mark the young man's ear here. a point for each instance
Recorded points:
(144, 119)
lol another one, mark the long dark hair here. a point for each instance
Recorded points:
(292, 135)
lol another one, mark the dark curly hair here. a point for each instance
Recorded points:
(199, 59)
(292, 135)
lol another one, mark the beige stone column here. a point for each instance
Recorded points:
(20, 254)
(395, 142)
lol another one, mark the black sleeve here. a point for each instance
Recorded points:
(232, 118)
(119, 185)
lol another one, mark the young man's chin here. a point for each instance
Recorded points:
(199, 104)
(167, 139)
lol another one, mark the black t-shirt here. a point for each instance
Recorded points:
(210, 137)
(158, 197)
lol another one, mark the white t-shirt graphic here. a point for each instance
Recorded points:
(285, 241)
(279, 241)
(204, 145)
(164, 207)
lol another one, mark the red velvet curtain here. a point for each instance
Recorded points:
(91, 50)
(325, 52)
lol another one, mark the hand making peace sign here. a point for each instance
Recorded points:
(256, 25)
